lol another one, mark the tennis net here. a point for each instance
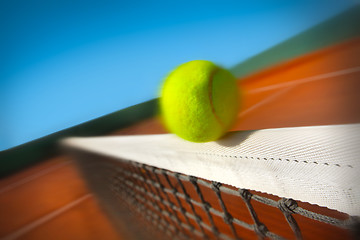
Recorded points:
(157, 203)
(149, 189)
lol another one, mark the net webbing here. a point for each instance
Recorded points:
(178, 206)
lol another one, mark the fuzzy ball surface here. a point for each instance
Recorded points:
(199, 101)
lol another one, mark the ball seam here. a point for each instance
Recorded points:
(210, 86)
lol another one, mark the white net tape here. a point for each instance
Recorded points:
(316, 164)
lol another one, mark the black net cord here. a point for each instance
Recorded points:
(172, 205)
(144, 192)
(228, 219)
(155, 203)
(206, 206)
(260, 228)
(135, 201)
(287, 206)
(188, 200)
(174, 192)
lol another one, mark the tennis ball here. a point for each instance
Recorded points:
(199, 101)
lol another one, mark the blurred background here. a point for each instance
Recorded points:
(67, 62)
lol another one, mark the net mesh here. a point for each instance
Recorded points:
(159, 203)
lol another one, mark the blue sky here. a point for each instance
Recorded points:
(67, 62)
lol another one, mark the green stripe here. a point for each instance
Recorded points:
(29, 153)
(340, 28)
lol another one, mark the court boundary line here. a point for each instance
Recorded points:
(265, 101)
(33, 177)
(307, 79)
(42, 220)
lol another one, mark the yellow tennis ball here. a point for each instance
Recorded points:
(199, 101)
